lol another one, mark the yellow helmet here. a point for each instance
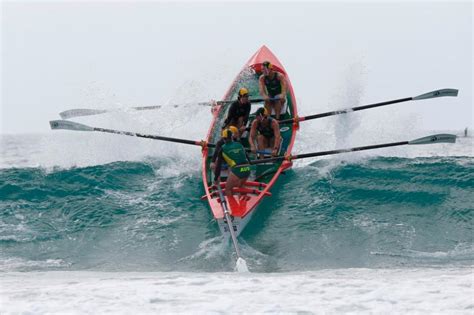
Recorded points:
(229, 132)
(267, 64)
(243, 91)
(261, 111)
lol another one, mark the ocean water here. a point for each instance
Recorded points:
(93, 223)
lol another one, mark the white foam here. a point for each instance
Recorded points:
(447, 291)
(15, 263)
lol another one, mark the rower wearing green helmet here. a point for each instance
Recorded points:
(233, 153)
(272, 87)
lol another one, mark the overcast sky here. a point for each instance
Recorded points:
(62, 55)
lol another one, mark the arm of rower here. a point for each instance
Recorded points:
(247, 114)
(217, 170)
(261, 87)
(276, 132)
(252, 136)
(217, 150)
(283, 85)
(230, 114)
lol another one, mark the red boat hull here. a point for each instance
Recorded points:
(244, 202)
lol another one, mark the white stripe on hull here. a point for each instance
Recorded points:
(238, 224)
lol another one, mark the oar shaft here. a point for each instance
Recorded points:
(321, 153)
(135, 134)
(80, 112)
(228, 219)
(71, 125)
(347, 110)
(254, 100)
(368, 147)
(438, 138)
(432, 94)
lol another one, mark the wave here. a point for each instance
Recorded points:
(379, 212)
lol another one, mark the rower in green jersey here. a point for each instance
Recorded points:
(232, 153)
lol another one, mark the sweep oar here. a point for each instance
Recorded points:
(241, 264)
(79, 112)
(433, 94)
(438, 138)
(70, 125)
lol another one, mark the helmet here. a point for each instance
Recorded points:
(229, 132)
(261, 111)
(267, 64)
(243, 91)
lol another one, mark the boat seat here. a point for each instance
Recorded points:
(240, 190)
(247, 183)
(268, 151)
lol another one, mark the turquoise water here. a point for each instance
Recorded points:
(382, 212)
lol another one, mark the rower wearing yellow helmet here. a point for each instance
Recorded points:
(239, 111)
(233, 153)
(220, 143)
(272, 87)
(266, 131)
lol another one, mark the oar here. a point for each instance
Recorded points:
(241, 264)
(433, 94)
(79, 112)
(439, 138)
(70, 125)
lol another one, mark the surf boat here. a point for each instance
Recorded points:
(245, 200)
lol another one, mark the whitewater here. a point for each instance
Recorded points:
(98, 223)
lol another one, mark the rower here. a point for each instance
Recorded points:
(233, 153)
(239, 111)
(219, 145)
(272, 87)
(266, 131)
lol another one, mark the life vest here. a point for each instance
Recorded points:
(266, 131)
(234, 153)
(241, 110)
(273, 85)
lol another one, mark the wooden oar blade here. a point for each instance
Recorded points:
(437, 93)
(79, 112)
(69, 125)
(439, 138)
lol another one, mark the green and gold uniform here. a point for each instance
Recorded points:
(233, 153)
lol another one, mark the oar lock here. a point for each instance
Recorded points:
(203, 144)
(288, 157)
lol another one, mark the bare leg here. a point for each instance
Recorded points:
(262, 144)
(268, 107)
(271, 142)
(242, 181)
(240, 122)
(232, 181)
(240, 125)
(277, 104)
